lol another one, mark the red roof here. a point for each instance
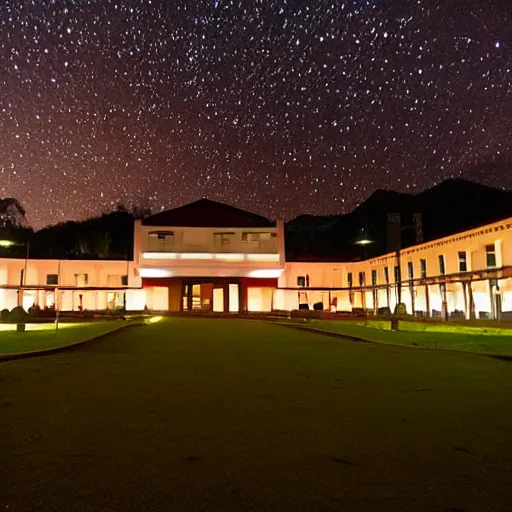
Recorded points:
(206, 213)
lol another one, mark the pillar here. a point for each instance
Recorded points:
(471, 300)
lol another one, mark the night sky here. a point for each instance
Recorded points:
(280, 107)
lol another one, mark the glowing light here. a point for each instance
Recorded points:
(7, 243)
(160, 255)
(364, 241)
(196, 256)
(155, 272)
(209, 256)
(155, 319)
(263, 257)
(266, 273)
(229, 257)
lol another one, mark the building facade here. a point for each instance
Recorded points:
(465, 275)
(211, 257)
(69, 285)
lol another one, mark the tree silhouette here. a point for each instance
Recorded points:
(12, 213)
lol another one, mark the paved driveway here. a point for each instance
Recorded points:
(196, 414)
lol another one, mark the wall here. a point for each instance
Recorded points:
(335, 276)
(196, 252)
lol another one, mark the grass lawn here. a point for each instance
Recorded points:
(226, 414)
(43, 336)
(414, 334)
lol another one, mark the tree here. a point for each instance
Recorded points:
(12, 213)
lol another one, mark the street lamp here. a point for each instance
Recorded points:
(7, 243)
(363, 238)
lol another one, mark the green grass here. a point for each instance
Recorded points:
(222, 415)
(421, 334)
(43, 336)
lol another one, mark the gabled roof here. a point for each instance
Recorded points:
(206, 213)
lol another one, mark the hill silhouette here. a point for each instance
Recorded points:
(449, 207)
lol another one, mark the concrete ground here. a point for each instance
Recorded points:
(210, 414)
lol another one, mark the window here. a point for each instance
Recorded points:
(490, 252)
(398, 274)
(255, 237)
(349, 279)
(463, 265)
(81, 279)
(423, 268)
(362, 279)
(223, 238)
(442, 269)
(410, 269)
(160, 240)
(386, 274)
(116, 280)
(52, 279)
(374, 277)
(301, 281)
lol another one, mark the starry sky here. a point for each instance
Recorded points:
(281, 107)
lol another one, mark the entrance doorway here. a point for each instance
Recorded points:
(215, 295)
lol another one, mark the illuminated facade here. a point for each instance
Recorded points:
(211, 257)
(71, 285)
(465, 275)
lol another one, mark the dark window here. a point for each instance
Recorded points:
(410, 269)
(349, 279)
(490, 252)
(307, 280)
(423, 268)
(362, 279)
(124, 280)
(374, 277)
(463, 266)
(301, 281)
(386, 274)
(442, 269)
(52, 279)
(398, 274)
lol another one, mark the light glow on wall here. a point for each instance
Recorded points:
(196, 256)
(155, 272)
(263, 257)
(229, 257)
(266, 273)
(160, 255)
(210, 256)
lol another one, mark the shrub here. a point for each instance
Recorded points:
(5, 315)
(34, 310)
(18, 315)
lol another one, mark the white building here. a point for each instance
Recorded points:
(467, 275)
(208, 256)
(211, 257)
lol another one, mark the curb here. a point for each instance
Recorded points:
(501, 357)
(71, 346)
